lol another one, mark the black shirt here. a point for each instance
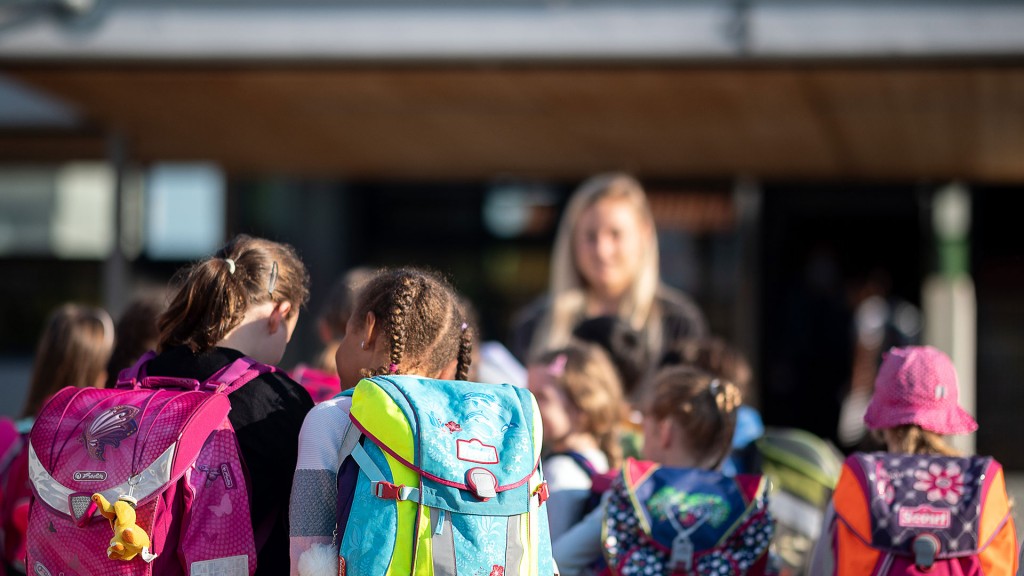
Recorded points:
(267, 414)
(680, 318)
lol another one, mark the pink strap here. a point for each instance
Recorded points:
(235, 375)
(129, 377)
(226, 380)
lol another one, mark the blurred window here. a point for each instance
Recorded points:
(65, 211)
(184, 211)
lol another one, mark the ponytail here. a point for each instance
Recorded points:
(612, 448)
(213, 295)
(702, 406)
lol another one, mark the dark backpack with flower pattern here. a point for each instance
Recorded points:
(911, 514)
(685, 521)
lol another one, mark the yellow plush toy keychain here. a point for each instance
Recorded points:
(129, 539)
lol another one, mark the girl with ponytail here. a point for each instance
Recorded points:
(675, 512)
(244, 301)
(580, 400)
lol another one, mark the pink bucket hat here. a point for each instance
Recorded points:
(917, 385)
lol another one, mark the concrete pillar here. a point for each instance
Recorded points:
(948, 298)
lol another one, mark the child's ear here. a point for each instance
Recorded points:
(278, 315)
(666, 433)
(370, 331)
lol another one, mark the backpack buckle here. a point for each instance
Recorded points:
(386, 490)
(389, 491)
(543, 493)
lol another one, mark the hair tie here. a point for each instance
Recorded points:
(464, 326)
(392, 368)
(231, 265)
(557, 366)
(715, 387)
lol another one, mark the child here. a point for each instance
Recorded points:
(245, 301)
(580, 401)
(802, 469)
(321, 379)
(699, 520)
(137, 333)
(73, 351)
(918, 507)
(715, 356)
(404, 321)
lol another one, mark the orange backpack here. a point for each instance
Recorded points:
(911, 514)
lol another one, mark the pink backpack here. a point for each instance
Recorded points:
(166, 442)
(15, 496)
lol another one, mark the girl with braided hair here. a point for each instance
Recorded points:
(677, 497)
(404, 321)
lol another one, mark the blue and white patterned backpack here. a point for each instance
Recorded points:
(443, 478)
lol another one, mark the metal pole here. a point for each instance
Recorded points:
(115, 269)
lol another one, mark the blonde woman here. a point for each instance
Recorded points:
(605, 263)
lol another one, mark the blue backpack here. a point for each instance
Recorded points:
(442, 477)
(686, 521)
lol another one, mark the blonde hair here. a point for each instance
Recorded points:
(568, 289)
(912, 439)
(702, 406)
(591, 384)
(73, 351)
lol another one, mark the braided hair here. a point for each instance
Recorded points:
(421, 320)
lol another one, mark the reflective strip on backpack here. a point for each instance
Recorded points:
(442, 543)
(56, 495)
(514, 548)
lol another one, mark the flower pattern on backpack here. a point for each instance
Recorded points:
(631, 551)
(937, 494)
(941, 483)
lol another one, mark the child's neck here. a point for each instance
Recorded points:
(679, 460)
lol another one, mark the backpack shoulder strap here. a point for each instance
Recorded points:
(850, 499)
(235, 375)
(580, 461)
(997, 537)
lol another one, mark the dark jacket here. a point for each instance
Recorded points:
(680, 318)
(267, 414)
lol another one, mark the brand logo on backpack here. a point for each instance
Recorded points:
(109, 429)
(476, 451)
(90, 476)
(41, 570)
(924, 517)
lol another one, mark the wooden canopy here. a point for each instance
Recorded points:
(934, 120)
